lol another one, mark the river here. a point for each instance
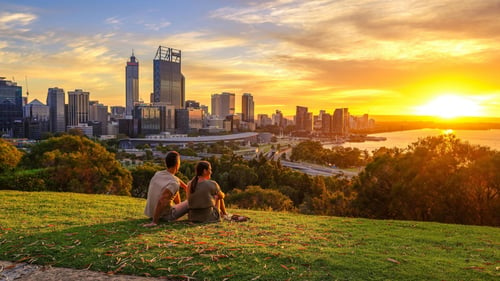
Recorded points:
(402, 139)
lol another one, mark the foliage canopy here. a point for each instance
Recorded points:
(75, 163)
(436, 179)
(10, 156)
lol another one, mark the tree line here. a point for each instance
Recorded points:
(435, 179)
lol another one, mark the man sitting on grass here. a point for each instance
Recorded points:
(164, 202)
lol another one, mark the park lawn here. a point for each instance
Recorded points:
(105, 233)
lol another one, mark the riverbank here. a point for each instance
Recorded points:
(401, 139)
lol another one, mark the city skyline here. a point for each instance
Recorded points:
(375, 57)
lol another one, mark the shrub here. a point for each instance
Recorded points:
(254, 197)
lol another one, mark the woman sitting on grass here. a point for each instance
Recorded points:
(205, 198)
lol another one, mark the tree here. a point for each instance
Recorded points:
(141, 177)
(10, 156)
(78, 164)
(435, 179)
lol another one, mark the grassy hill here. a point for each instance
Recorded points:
(105, 233)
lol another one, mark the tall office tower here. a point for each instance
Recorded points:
(326, 123)
(132, 85)
(99, 113)
(78, 107)
(345, 112)
(223, 104)
(168, 81)
(215, 99)
(247, 107)
(55, 102)
(278, 119)
(227, 104)
(11, 106)
(341, 121)
(303, 119)
(36, 119)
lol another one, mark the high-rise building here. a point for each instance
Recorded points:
(326, 123)
(11, 106)
(36, 119)
(150, 118)
(215, 101)
(78, 107)
(192, 104)
(223, 104)
(132, 85)
(247, 108)
(99, 113)
(341, 121)
(263, 120)
(36, 110)
(117, 112)
(168, 81)
(303, 119)
(55, 102)
(278, 119)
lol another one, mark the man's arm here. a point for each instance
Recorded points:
(164, 201)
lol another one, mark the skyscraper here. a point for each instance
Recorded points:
(78, 107)
(247, 107)
(36, 119)
(131, 84)
(303, 119)
(223, 104)
(11, 106)
(341, 121)
(98, 113)
(168, 81)
(215, 102)
(55, 102)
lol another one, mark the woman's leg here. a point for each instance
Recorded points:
(220, 205)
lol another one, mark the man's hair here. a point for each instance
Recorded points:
(171, 159)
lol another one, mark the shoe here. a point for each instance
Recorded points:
(227, 217)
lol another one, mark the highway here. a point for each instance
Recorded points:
(316, 170)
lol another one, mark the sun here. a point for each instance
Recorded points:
(450, 106)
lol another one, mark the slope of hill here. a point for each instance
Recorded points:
(105, 233)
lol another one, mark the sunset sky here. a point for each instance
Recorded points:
(376, 57)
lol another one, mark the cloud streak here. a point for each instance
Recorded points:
(360, 54)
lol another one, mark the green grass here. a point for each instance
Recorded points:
(104, 233)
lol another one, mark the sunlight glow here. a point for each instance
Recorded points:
(450, 106)
(448, 132)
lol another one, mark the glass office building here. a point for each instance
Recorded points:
(168, 81)
(55, 102)
(11, 106)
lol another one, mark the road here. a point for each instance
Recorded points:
(316, 170)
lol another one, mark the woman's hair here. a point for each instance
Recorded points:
(200, 167)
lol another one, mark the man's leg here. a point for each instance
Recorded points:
(179, 210)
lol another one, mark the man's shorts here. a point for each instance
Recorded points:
(176, 211)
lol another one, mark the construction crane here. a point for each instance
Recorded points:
(27, 89)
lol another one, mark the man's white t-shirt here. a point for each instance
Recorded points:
(159, 182)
